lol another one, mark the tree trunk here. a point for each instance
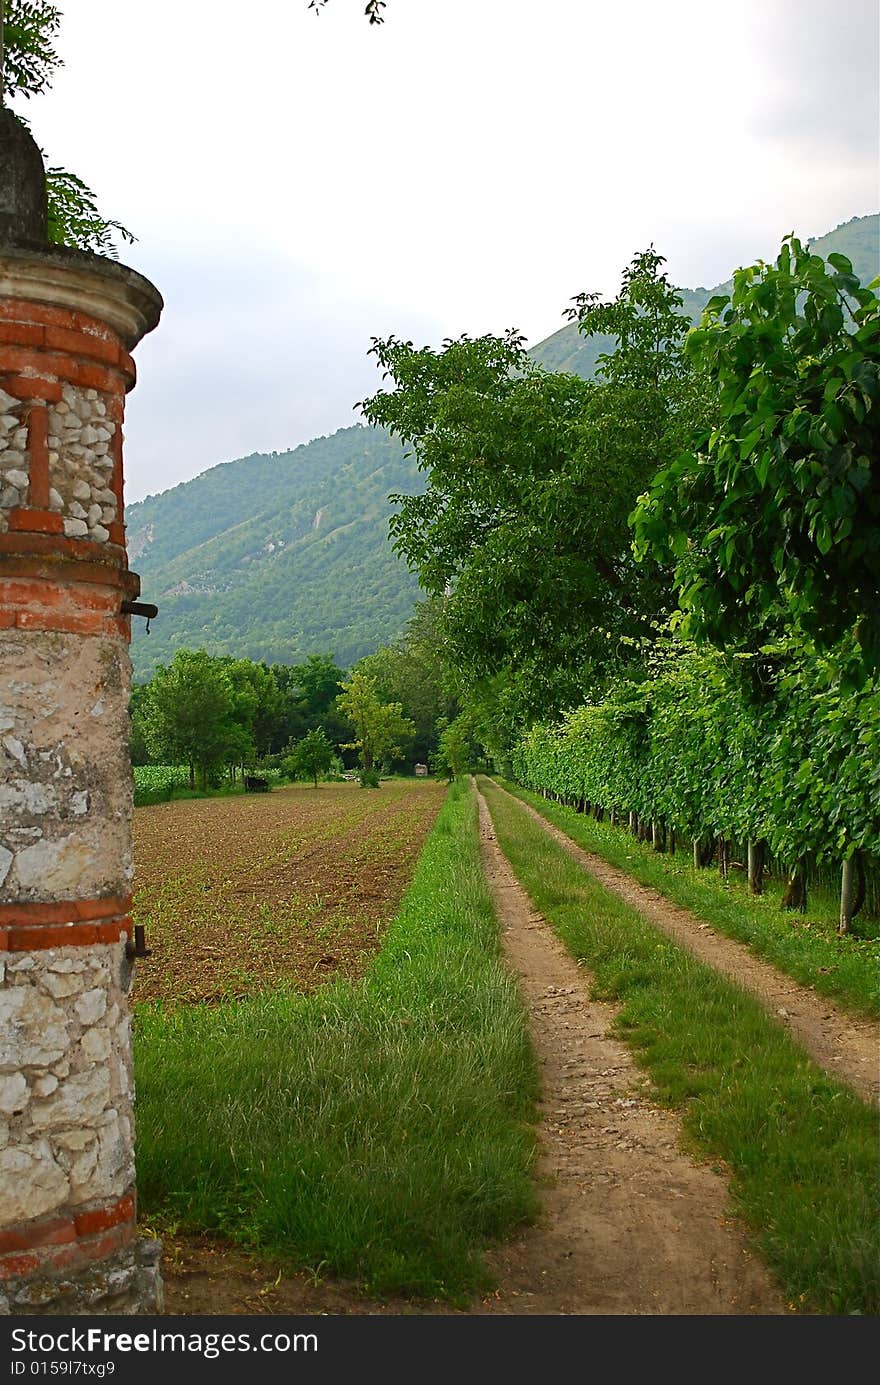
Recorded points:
(860, 884)
(795, 896)
(847, 876)
(672, 841)
(634, 824)
(656, 836)
(756, 867)
(722, 856)
(598, 812)
(698, 855)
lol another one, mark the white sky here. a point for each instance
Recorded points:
(299, 183)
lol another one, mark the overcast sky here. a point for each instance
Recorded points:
(299, 183)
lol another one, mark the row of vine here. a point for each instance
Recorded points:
(693, 749)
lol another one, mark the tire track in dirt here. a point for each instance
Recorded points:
(847, 1047)
(630, 1224)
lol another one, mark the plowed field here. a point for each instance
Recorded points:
(297, 886)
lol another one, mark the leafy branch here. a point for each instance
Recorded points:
(29, 64)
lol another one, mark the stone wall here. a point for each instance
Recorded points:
(67, 1174)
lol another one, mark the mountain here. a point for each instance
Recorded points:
(276, 557)
(567, 350)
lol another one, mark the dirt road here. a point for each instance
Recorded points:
(845, 1046)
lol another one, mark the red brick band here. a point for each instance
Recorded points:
(55, 1243)
(64, 935)
(74, 608)
(70, 923)
(39, 521)
(66, 910)
(76, 348)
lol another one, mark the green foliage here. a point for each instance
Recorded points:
(457, 750)
(381, 1130)
(156, 783)
(645, 322)
(190, 714)
(74, 218)
(29, 57)
(568, 350)
(691, 746)
(414, 672)
(531, 478)
(310, 757)
(369, 779)
(29, 67)
(381, 730)
(775, 523)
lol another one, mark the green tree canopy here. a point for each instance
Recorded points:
(414, 672)
(774, 522)
(189, 713)
(381, 730)
(531, 480)
(311, 756)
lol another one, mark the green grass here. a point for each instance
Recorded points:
(164, 783)
(801, 1150)
(381, 1130)
(807, 949)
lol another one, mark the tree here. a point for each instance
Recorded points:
(381, 729)
(189, 714)
(773, 523)
(456, 749)
(28, 63)
(523, 528)
(414, 672)
(313, 755)
(319, 681)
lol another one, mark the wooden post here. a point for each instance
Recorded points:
(846, 893)
(756, 867)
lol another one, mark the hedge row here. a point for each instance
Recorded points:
(705, 748)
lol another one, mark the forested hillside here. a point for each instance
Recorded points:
(567, 349)
(275, 557)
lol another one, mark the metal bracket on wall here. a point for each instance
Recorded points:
(140, 608)
(138, 948)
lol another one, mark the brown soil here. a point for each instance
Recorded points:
(295, 886)
(845, 1046)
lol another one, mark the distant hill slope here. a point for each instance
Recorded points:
(567, 350)
(276, 557)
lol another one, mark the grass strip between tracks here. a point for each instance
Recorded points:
(801, 1151)
(807, 949)
(381, 1130)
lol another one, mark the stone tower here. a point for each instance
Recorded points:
(68, 321)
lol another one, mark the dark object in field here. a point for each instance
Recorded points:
(254, 785)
